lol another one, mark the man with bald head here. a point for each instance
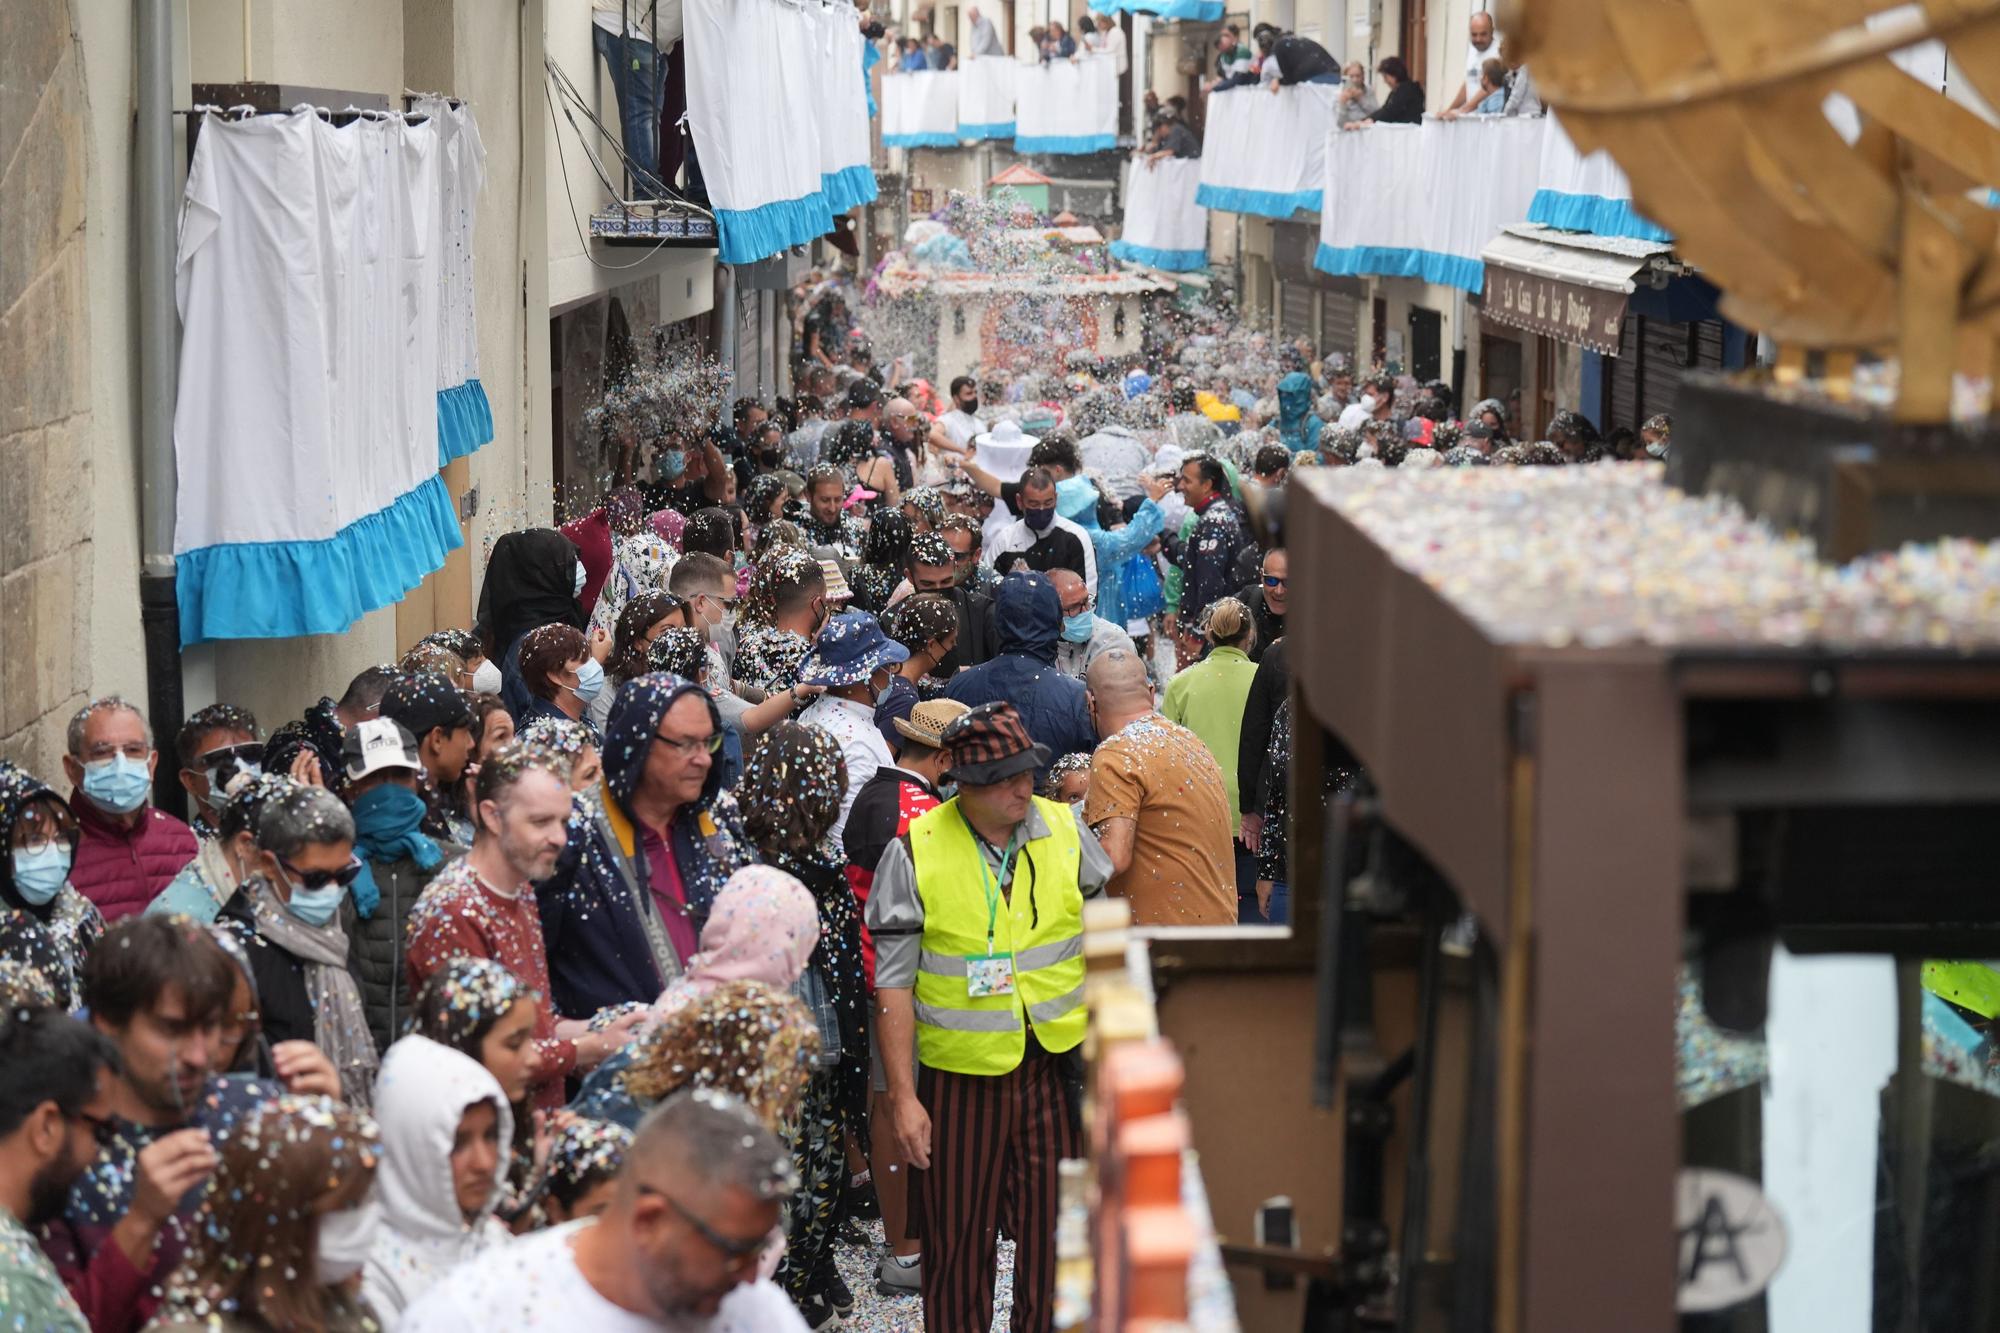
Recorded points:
(1158, 804)
(702, 1188)
(1085, 634)
(1481, 46)
(903, 431)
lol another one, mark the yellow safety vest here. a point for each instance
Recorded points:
(1039, 922)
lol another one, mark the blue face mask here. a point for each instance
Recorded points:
(589, 680)
(1076, 628)
(117, 785)
(670, 465)
(315, 907)
(39, 875)
(1038, 520)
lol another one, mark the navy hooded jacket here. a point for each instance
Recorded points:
(600, 924)
(1027, 621)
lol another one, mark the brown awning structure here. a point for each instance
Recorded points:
(1567, 285)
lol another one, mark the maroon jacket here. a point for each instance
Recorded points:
(122, 869)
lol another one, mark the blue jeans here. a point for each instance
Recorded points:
(638, 75)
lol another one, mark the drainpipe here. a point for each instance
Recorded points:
(153, 181)
(725, 327)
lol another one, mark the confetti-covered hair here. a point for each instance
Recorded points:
(782, 575)
(790, 793)
(23, 985)
(744, 1038)
(432, 658)
(586, 1153)
(255, 1240)
(558, 735)
(1077, 761)
(679, 651)
(460, 1003)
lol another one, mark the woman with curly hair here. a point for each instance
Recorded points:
(790, 795)
(883, 552)
(641, 622)
(293, 1169)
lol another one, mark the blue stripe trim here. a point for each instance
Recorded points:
(1262, 203)
(1593, 213)
(465, 420)
(1065, 143)
(1201, 11)
(850, 187)
(922, 139)
(1395, 261)
(750, 234)
(999, 129)
(1173, 261)
(281, 590)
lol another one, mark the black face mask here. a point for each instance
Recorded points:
(968, 405)
(770, 457)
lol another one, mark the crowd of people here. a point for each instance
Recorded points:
(609, 960)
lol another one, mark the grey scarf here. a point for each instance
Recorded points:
(340, 1023)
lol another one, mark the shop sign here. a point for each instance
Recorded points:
(1587, 316)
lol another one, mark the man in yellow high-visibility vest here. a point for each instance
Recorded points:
(977, 913)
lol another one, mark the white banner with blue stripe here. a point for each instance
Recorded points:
(1164, 227)
(310, 281)
(1200, 11)
(920, 109)
(986, 97)
(1265, 153)
(1422, 201)
(1066, 106)
(1581, 192)
(846, 176)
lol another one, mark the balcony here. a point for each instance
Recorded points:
(1264, 154)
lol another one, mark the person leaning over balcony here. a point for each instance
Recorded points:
(1356, 102)
(1405, 103)
(1522, 97)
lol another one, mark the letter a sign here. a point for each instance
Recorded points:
(1731, 1241)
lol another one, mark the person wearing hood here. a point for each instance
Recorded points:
(126, 850)
(1298, 425)
(398, 860)
(533, 578)
(44, 923)
(1115, 549)
(623, 910)
(1027, 618)
(287, 918)
(445, 1130)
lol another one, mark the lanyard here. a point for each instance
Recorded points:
(986, 876)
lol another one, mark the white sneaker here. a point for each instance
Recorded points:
(899, 1279)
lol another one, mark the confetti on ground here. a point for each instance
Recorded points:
(875, 1313)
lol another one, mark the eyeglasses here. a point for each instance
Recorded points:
(1081, 607)
(103, 1129)
(740, 1252)
(693, 745)
(726, 603)
(319, 879)
(1273, 581)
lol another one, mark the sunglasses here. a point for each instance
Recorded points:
(319, 879)
(102, 1128)
(1273, 581)
(739, 1251)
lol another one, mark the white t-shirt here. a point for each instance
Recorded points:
(609, 14)
(862, 745)
(961, 426)
(1474, 58)
(534, 1284)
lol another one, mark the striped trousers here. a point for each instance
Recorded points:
(995, 1142)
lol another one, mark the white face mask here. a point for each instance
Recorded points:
(345, 1238)
(581, 579)
(486, 680)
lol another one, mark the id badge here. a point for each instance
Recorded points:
(989, 974)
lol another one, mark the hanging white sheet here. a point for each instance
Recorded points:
(920, 109)
(310, 282)
(1423, 201)
(758, 137)
(986, 97)
(465, 418)
(1586, 193)
(1164, 226)
(846, 178)
(1066, 106)
(1265, 153)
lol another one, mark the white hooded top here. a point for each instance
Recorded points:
(421, 1095)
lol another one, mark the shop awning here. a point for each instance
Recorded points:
(1568, 285)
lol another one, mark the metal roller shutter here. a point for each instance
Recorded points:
(1295, 310)
(1340, 326)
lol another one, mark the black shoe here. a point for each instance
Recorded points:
(862, 1205)
(840, 1297)
(819, 1314)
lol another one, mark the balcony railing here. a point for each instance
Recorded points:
(1264, 153)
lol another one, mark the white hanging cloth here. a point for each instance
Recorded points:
(1265, 153)
(846, 176)
(1580, 192)
(758, 137)
(920, 109)
(1066, 106)
(310, 285)
(1164, 227)
(1382, 214)
(986, 97)
(465, 417)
